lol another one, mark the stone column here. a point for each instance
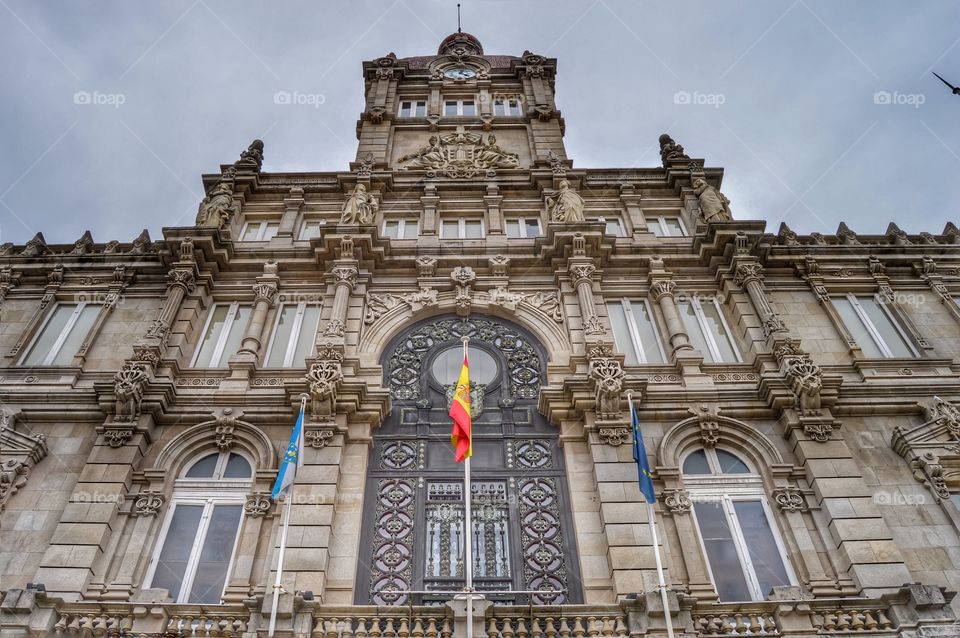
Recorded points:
(749, 276)
(430, 200)
(144, 510)
(492, 202)
(264, 296)
(661, 290)
(292, 205)
(344, 277)
(581, 275)
(630, 199)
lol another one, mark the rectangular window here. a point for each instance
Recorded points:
(293, 335)
(461, 229)
(413, 108)
(614, 226)
(634, 332)
(222, 335)
(62, 334)
(310, 230)
(459, 108)
(507, 107)
(664, 226)
(401, 228)
(523, 227)
(259, 231)
(872, 327)
(708, 330)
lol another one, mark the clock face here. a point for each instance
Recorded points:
(460, 73)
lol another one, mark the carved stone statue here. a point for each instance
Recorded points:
(216, 207)
(128, 386)
(253, 156)
(492, 155)
(360, 208)
(322, 380)
(566, 206)
(670, 150)
(713, 204)
(461, 154)
(430, 156)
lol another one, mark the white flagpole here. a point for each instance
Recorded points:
(287, 507)
(468, 525)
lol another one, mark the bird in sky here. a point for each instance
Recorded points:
(955, 89)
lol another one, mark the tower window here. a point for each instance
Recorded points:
(413, 108)
(872, 327)
(635, 332)
(666, 226)
(523, 227)
(462, 108)
(222, 335)
(401, 228)
(259, 231)
(62, 334)
(509, 107)
(461, 229)
(708, 330)
(293, 335)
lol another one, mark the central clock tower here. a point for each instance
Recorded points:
(460, 113)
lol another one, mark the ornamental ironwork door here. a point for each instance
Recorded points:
(412, 537)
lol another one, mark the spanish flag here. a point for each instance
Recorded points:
(462, 436)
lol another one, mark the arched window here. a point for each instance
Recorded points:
(414, 501)
(744, 553)
(199, 535)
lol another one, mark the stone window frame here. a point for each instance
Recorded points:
(635, 341)
(694, 299)
(209, 493)
(48, 303)
(522, 220)
(661, 218)
(727, 489)
(460, 102)
(415, 103)
(309, 223)
(607, 218)
(295, 330)
(508, 107)
(896, 317)
(264, 225)
(462, 219)
(402, 223)
(222, 339)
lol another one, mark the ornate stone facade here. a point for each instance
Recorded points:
(814, 377)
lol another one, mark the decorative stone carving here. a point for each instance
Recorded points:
(463, 278)
(806, 380)
(501, 296)
(787, 237)
(13, 476)
(378, 304)
(607, 377)
(789, 499)
(896, 236)
(426, 266)
(252, 158)
(661, 287)
(747, 272)
(117, 437)
(360, 208)
(461, 155)
(365, 169)
(35, 246)
(141, 243)
(318, 437)
(819, 431)
(224, 427)
(709, 425)
(670, 150)
(928, 470)
(676, 501)
(614, 436)
(84, 245)
(580, 273)
(714, 205)
(556, 164)
(147, 504)
(323, 380)
(847, 236)
(217, 206)
(128, 386)
(499, 265)
(265, 291)
(566, 205)
(345, 275)
(257, 505)
(548, 303)
(947, 415)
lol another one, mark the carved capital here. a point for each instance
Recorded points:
(117, 437)
(265, 291)
(345, 275)
(147, 504)
(582, 273)
(789, 499)
(319, 437)
(257, 505)
(181, 278)
(928, 470)
(662, 287)
(615, 435)
(747, 272)
(676, 501)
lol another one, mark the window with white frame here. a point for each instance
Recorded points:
(259, 231)
(666, 226)
(635, 332)
(62, 334)
(401, 228)
(413, 108)
(293, 334)
(744, 552)
(461, 108)
(461, 228)
(872, 327)
(523, 227)
(507, 107)
(222, 335)
(613, 226)
(708, 329)
(199, 535)
(311, 230)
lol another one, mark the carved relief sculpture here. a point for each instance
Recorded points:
(461, 155)
(217, 206)
(714, 205)
(607, 377)
(323, 378)
(129, 384)
(566, 205)
(360, 207)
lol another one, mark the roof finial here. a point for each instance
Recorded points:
(458, 18)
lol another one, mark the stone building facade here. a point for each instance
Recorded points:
(798, 396)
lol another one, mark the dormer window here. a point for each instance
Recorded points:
(413, 108)
(459, 108)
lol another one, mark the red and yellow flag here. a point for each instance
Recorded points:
(462, 436)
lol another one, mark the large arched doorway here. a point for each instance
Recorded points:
(413, 509)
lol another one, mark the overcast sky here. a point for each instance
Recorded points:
(819, 111)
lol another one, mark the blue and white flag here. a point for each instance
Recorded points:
(640, 456)
(292, 458)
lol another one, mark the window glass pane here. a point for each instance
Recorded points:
(449, 108)
(692, 326)
(514, 107)
(697, 463)
(721, 552)
(613, 228)
(78, 333)
(308, 332)
(215, 556)
(405, 109)
(48, 336)
(884, 325)
(498, 108)
(765, 556)
(271, 231)
(421, 109)
(673, 224)
(473, 229)
(621, 333)
(209, 343)
(237, 467)
(177, 545)
(446, 366)
(234, 337)
(250, 231)
(648, 334)
(513, 228)
(411, 228)
(856, 328)
(469, 108)
(730, 464)
(281, 336)
(655, 228)
(450, 229)
(533, 227)
(712, 314)
(391, 229)
(203, 468)
(310, 230)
